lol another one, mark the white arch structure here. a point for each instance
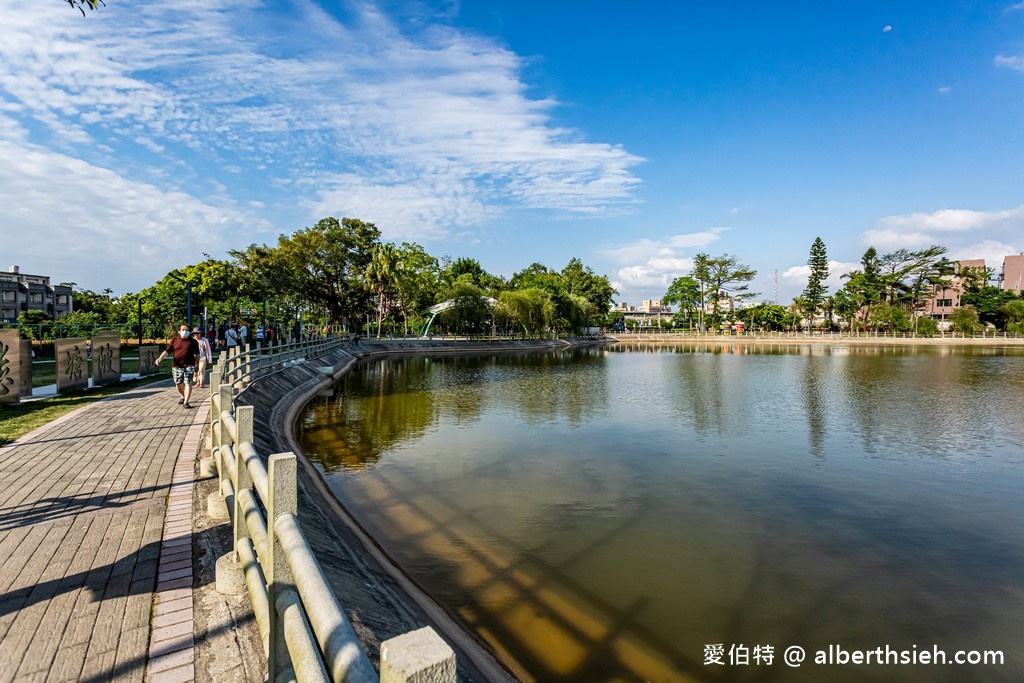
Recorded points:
(437, 309)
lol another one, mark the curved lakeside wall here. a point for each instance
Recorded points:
(379, 598)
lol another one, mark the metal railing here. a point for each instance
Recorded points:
(306, 635)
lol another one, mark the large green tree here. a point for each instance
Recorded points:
(723, 276)
(328, 262)
(416, 281)
(684, 292)
(581, 280)
(989, 302)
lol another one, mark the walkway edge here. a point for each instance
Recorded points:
(172, 646)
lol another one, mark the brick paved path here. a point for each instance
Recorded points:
(83, 518)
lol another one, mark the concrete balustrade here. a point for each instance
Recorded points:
(306, 635)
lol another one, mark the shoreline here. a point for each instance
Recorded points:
(803, 340)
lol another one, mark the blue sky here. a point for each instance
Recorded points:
(630, 135)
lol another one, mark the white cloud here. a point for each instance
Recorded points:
(88, 224)
(894, 239)
(797, 275)
(423, 133)
(886, 29)
(649, 264)
(956, 229)
(951, 220)
(644, 249)
(945, 90)
(990, 250)
(1014, 8)
(1015, 62)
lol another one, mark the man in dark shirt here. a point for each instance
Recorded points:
(185, 351)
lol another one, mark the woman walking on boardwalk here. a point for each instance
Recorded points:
(205, 357)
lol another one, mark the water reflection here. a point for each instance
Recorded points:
(604, 516)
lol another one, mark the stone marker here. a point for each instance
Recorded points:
(26, 368)
(106, 357)
(72, 364)
(10, 366)
(147, 360)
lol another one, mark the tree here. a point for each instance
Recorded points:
(580, 280)
(531, 309)
(453, 271)
(814, 293)
(684, 291)
(863, 287)
(327, 263)
(470, 310)
(972, 278)
(80, 5)
(416, 280)
(380, 276)
(725, 276)
(1013, 312)
(965, 320)
(989, 303)
(766, 316)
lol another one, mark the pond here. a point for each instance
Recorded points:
(632, 514)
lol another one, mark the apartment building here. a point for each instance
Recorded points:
(946, 299)
(1012, 276)
(24, 292)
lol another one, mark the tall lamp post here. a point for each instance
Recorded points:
(188, 296)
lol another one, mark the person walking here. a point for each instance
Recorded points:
(205, 356)
(243, 336)
(185, 352)
(231, 337)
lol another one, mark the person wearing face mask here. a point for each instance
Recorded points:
(185, 352)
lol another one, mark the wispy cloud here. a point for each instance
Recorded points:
(421, 132)
(1015, 62)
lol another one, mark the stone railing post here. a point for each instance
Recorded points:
(243, 479)
(417, 657)
(226, 396)
(281, 488)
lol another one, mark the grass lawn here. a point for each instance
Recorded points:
(20, 419)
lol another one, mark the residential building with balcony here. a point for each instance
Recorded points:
(946, 299)
(21, 292)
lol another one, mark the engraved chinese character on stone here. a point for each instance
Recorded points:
(76, 364)
(6, 376)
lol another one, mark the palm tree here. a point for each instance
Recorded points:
(380, 275)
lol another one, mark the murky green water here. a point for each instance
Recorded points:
(607, 514)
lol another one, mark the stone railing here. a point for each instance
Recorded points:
(306, 635)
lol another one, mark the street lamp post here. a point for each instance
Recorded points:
(188, 297)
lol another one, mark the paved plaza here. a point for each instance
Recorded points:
(96, 542)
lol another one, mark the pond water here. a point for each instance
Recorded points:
(608, 514)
